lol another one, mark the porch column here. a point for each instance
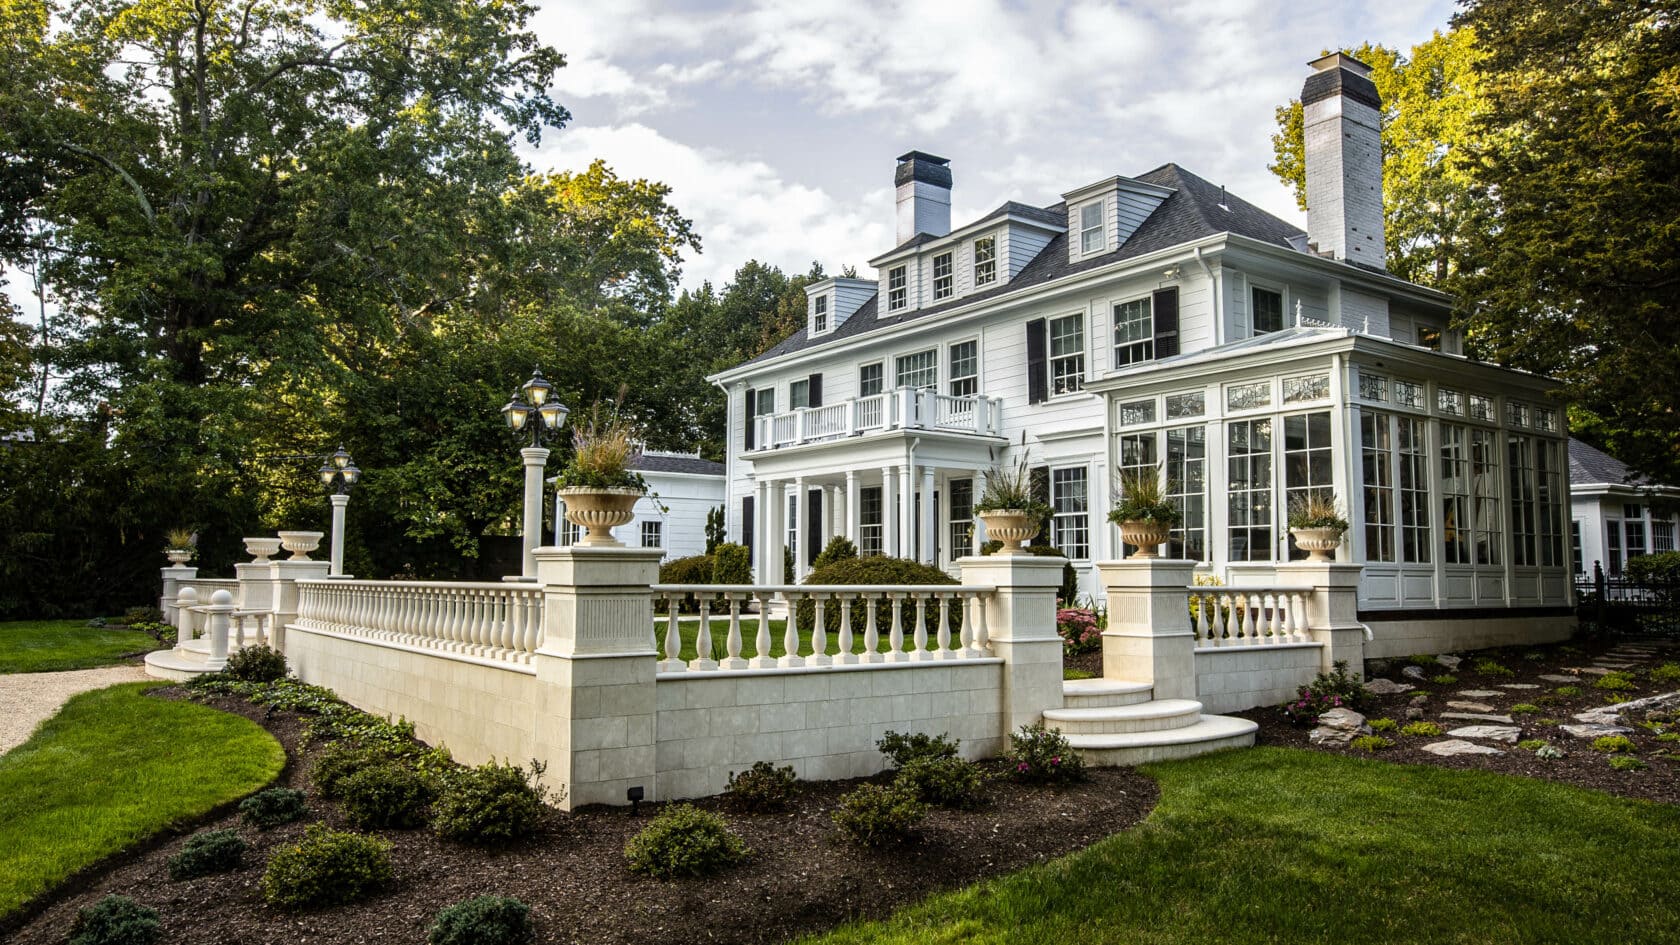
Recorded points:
(761, 530)
(834, 507)
(907, 511)
(777, 545)
(889, 512)
(853, 531)
(802, 528)
(930, 517)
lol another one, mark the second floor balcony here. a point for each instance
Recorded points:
(906, 408)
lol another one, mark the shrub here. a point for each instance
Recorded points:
(1613, 744)
(386, 795)
(484, 920)
(915, 746)
(877, 815)
(211, 851)
(1445, 679)
(1421, 729)
(1489, 667)
(115, 920)
(1534, 656)
(1078, 630)
(256, 664)
(1043, 756)
(1567, 691)
(1371, 743)
(491, 803)
(161, 632)
(839, 548)
(326, 868)
(1333, 690)
(731, 564)
(695, 569)
(1524, 708)
(136, 615)
(877, 569)
(1614, 682)
(945, 782)
(1383, 725)
(337, 762)
(1669, 737)
(1658, 572)
(1548, 752)
(1423, 659)
(1626, 763)
(1532, 744)
(684, 840)
(763, 787)
(96, 623)
(1666, 673)
(272, 807)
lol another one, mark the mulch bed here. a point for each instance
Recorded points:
(1581, 767)
(801, 879)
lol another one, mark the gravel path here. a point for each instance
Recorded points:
(28, 699)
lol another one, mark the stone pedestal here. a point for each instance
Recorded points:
(283, 593)
(172, 578)
(596, 704)
(256, 589)
(1149, 638)
(1332, 610)
(1021, 627)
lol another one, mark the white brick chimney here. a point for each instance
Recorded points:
(1343, 124)
(924, 195)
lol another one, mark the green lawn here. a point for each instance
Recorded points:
(1281, 845)
(39, 646)
(111, 768)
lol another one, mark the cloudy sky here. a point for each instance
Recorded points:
(776, 122)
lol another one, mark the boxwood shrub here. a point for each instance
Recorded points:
(115, 920)
(327, 868)
(207, 852)
(877, 569)
(684, 840)
(484, 920)
(763, 787)
(256, 664)
(877, 815)
(386, 795)
(273, 807)
(491, 803)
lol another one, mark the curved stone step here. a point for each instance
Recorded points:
(1212, 733)
(1091, 693)
(1155, 715)
(176, 665)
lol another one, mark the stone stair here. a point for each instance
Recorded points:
(186, 660)
(1116, 722)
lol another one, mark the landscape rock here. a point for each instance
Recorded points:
(1477, 717)
(1414, 714)
(1450, 662)
(1588, 670)
(1458, 746)
(1388, 687)
(1495, 733)
(1518, 685)
(1421, 698)
(1554, 677)
(1607, 714)
(1338, 727)
(1481, 693)
(1470, 706)
(1593, 730)
(1413, 672)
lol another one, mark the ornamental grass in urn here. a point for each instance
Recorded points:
(180, 545)
(600, 484)
(1145, 516)
(1316, 522)
(1007, 506)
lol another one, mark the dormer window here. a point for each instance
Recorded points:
(897, 290)
(985, 261)
(819, 314)
(942, 278)
(1091, 236)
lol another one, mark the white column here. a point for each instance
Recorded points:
(337, 558)
(907, 510)
(853, 532)
(889, 512)
(761, 532)
(535, 459)
(930, 517)
(778, 533)
(803, 527)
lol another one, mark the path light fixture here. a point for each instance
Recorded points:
(534, 409)
(338, 474)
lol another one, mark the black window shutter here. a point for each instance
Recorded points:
(747, 530)
(752, 412)
(1166, 322)
(1038, 367)
(816, 390)
(1039, 478)
(813, 522)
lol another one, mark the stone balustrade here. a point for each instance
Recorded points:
(931, 622)
(491, 621)
(1248, 616)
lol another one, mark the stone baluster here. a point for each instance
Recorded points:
(790, 631)
(703, 637)
(844, 655)
(921, 634)
(944, 637)
(673, 636)
(895, 637)
(761, 642)
(871, 634)
(732, 642)
(819, 633)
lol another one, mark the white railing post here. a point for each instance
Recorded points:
(1020, 623)
(220, 608)
(185, 600)
(1149, 638)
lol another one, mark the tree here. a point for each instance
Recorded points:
(1579, 148)
(1431, 206)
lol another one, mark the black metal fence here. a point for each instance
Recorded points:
(1619, 602)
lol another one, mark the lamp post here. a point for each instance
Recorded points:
(338, 474)
(532, 409)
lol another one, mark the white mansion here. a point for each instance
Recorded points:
(1158, 321)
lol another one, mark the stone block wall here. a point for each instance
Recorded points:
(1238, 678)
(1400, 638)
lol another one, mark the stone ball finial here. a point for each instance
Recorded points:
(222, 598)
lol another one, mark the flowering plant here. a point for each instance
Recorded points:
(1078, 629)
(1044, 756)
(1307, 706)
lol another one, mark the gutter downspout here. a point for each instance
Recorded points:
(1217, 290)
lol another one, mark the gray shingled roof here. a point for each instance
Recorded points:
(1190, 213)
(1590, 466)
(693, 465)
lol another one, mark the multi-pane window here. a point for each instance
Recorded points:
(869, 380)
(1138, 459)
(1549, 473)
(869, 521)
(1662, 536)
(1070, 522)
(1484, 490)
(1307, 464)
(1134, 332)
(652, 534)
(965, 369)
(819, 314)
(898, 291)
(985, 261)
(1524, 501)
(1412, 462)
(799, 394)
(793, 524)
(1187, 489)
(569, 533)
(918, 370)
(1635, 537)
(1249, 506)
(1455, 494)
(943, 281)
(1377, 462)
(1268, 310)
(1067, 354)
(1091, 237)
(1575, 546)
(962, 516)
(1613, 546)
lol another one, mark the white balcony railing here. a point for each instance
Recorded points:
(1248, 616)
(906, 408)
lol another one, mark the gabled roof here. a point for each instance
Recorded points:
(1194, 211)
(676, 463)
(1591, 466)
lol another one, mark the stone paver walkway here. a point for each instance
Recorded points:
(28, 699)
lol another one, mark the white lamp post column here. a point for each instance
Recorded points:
(534, 411)
(536, 458)
(339, 501)
(338, 474)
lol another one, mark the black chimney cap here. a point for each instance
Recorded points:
(1340, 74)
(924, 167)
